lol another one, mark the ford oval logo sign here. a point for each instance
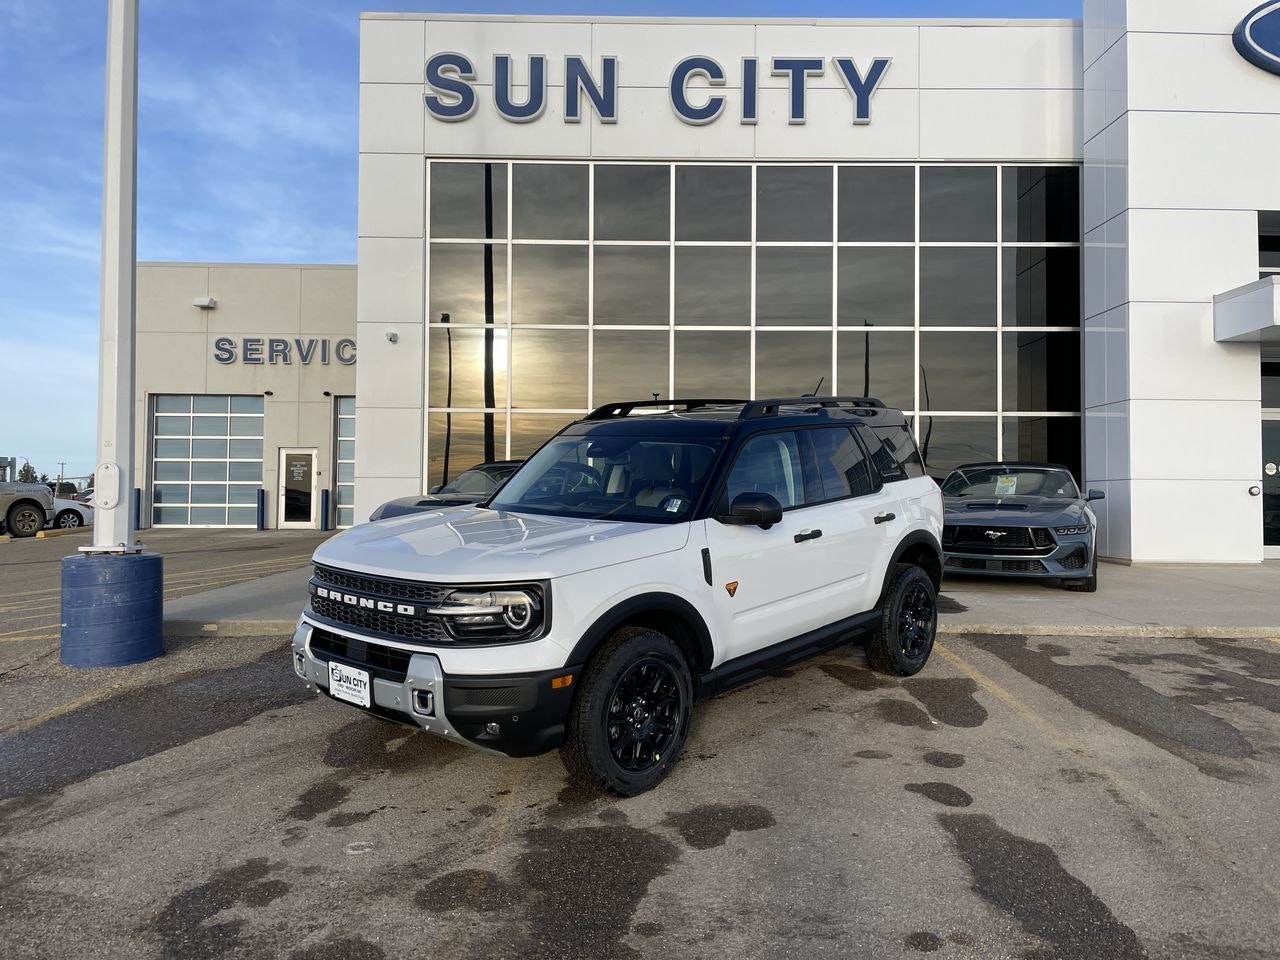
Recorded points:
(1258, 37)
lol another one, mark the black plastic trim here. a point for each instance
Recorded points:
(704, 650)
(530, 714)
(706, 565)
(761, 663)
(912, 539)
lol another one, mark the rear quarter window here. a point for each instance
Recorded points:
(894, 452)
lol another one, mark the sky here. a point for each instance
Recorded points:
(247, 122)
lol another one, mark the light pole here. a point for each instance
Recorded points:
(112, 592)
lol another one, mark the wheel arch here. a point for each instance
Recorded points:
(666, 613)
(919, 548)
(22, 502)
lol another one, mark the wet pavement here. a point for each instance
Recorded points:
(1046, 798)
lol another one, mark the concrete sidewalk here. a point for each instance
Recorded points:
(1160, 601)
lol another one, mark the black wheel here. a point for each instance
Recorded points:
(1088, 585)
(908, 624)
(67, 520)
(630, 717)
(24, 520)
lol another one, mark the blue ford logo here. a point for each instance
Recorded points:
(1257, 39)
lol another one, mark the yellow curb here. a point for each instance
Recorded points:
(45, 534)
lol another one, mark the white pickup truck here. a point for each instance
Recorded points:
(25, 508)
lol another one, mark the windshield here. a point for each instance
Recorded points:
(474, 482)
(646, 479)
(1010, 482)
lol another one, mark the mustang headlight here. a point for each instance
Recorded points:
(1071, 530)
(505, 614)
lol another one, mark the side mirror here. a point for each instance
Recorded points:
(1097, 495)
(753, 510)
(437, 488)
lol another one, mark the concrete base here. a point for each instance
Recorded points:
(112, 609)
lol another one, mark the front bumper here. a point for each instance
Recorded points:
(520, 715)
(1071, 559)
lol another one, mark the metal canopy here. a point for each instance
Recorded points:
(1249, 314)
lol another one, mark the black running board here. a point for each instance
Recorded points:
(761, 663)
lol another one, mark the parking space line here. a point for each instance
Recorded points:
(1189, 828)
(68, 707)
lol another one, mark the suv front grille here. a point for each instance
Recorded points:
(381, 586)
(428, 630)
(997, 540)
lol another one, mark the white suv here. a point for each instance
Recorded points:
(647, 555)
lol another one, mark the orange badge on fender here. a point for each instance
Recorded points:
(732, 587)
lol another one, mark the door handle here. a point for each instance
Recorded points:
(804, 535)
(886, 517)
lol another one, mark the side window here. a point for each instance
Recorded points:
(842, 466)
(883, 461)
(768, 463)
(900, 443)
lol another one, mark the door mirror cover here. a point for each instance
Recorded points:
(1097, 495)
(435, 489)
(754, 510)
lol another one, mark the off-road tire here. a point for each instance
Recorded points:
(908, 623)
(68, 520)
(586, 750)
(24, 520)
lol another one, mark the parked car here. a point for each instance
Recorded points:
(84, 496)
(1020, 520)
(69, 514)
(470, 486)
(25, 508)
(632, 564)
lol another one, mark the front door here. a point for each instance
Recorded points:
(1271, 484)
(297, 505)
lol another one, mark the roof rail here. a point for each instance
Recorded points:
(611, 411)
(764, 408)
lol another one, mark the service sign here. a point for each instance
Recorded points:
(692, 89)
(1257, 38)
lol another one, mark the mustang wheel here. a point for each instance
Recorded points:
(909, 622)
(630, 718)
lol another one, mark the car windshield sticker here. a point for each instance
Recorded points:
(675, 505)
(1006, 486)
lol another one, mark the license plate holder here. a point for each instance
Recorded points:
(350, 684)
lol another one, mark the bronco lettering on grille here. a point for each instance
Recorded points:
(367, 603)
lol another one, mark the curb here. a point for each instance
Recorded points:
(258, 628)
(46, 534)
(228, 628)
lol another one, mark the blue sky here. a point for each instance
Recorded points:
(247, 151)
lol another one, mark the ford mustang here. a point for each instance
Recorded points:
(1020, 519)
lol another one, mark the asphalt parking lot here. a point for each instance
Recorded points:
(1046, 798)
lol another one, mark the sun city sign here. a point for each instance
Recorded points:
(453, 97)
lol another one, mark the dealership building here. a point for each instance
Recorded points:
(1043, 239)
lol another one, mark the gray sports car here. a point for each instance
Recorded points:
(1020, 519)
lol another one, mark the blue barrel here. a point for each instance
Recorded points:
(112, 609)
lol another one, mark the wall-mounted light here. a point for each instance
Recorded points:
(328, 394)
(205, 303)
(268, 393)
(393, 337)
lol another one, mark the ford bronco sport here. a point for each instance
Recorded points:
(647, 555)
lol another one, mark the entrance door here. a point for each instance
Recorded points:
(1271, 484)
(297, 505)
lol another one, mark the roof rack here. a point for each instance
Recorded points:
(764, 408)
(613, 411)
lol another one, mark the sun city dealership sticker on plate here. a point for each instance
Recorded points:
(692, 87)
(1257, 39)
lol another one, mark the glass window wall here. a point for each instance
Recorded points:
(948, 290)
(206, 465)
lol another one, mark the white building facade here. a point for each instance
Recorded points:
(1013, 230)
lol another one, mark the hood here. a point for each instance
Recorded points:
(1015, 511)
(470, 544)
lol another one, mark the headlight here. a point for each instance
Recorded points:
(507, 614)
(1070, 530)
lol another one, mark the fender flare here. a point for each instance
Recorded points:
(654, 602)
(912, 539)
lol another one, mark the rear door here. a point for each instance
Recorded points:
(766, 584)
(860, 519)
